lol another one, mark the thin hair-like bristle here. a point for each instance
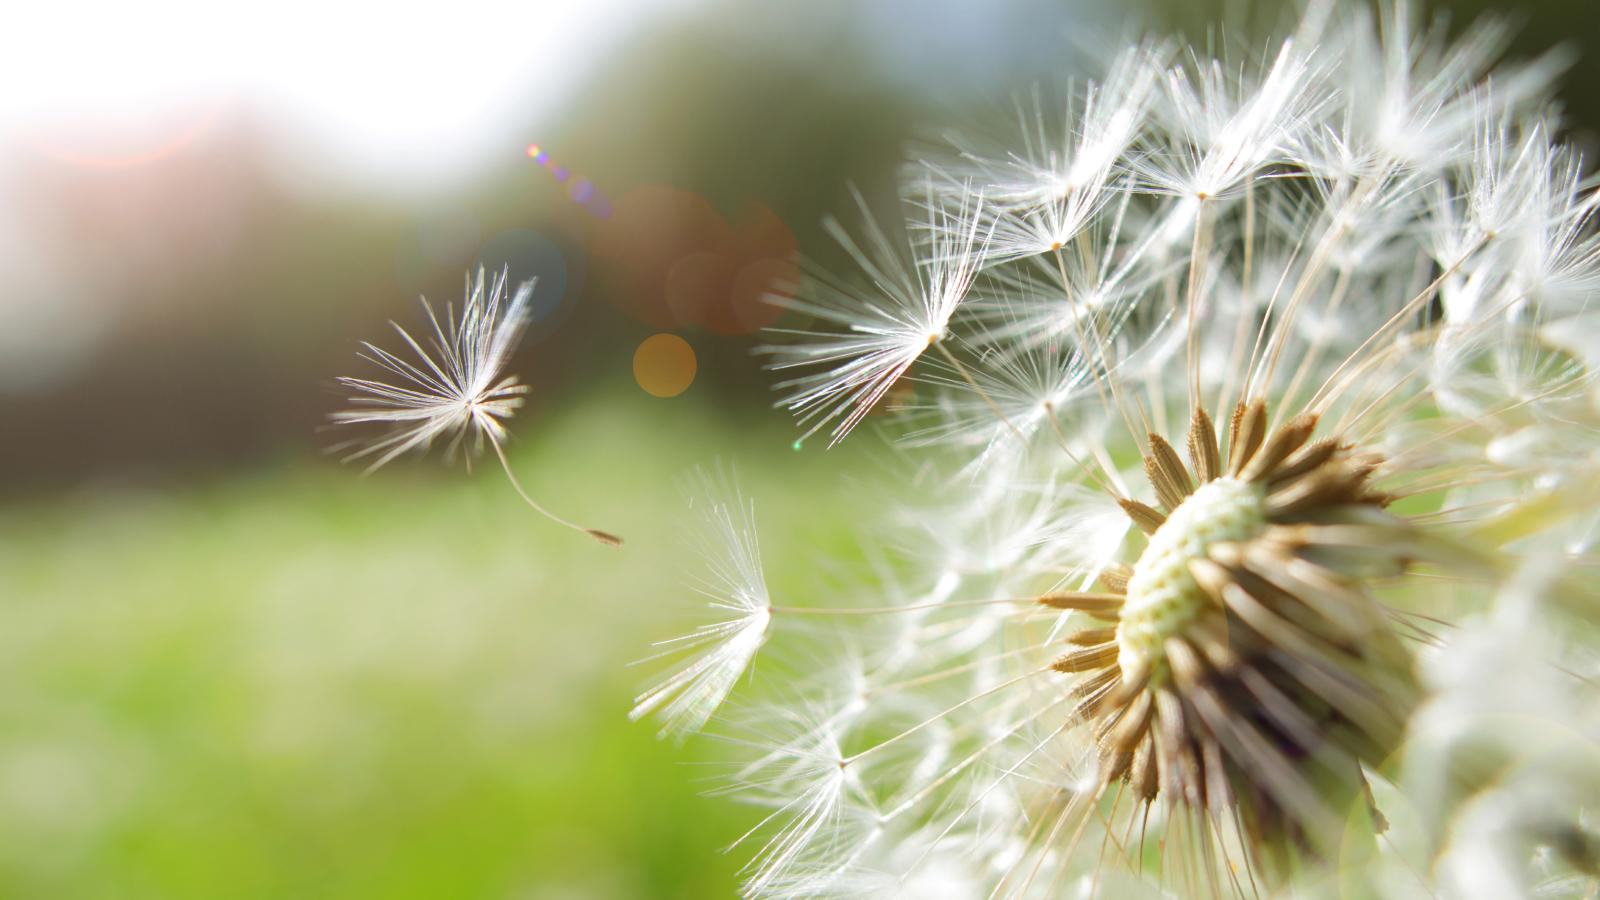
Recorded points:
(1121, 647)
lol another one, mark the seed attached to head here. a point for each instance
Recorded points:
(1163, 595)
(1250, 671)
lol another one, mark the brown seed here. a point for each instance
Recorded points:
(1145, 774)
(1093, 604)
(1305, 460)
(1147, 518)
(1249, 430)
(1291, 437)
(1166, 473)
(1087, 659)
(1203, 450)
(1090, 637)
(604, 537)
(1115, 577)
(1133, 727)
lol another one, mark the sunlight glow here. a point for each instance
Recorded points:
(378, 90)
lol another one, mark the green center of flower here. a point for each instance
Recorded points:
(1163, 596)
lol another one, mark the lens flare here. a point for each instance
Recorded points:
(582, 190)
(664, 365)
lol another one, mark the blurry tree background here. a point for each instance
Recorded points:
(178, 307)
(236, 668)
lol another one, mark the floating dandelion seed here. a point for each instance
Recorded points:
(455, 393)
(1143, 650)
(735, 584)
(1042, 197)
(902, 313)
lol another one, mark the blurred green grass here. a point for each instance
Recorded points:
(305, 683)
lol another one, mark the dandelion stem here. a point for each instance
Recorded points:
(1330, 386)
(1110, 488)
(1313, 353)
(913, 607)
(604, 537)
(972, 758)
(1011, 682)
(1103, 382)
(895, 687)
(1241, 331)
(1198, 254)
(983, 394)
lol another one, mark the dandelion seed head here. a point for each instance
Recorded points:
(890, 323)
(1264, 372)
(452, 389)
(1163, 594)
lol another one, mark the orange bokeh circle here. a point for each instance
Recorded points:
(664, 365)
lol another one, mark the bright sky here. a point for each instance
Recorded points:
(394, 96)
(394, 90)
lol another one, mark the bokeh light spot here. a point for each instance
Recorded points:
(674, 261)
(664, 365)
